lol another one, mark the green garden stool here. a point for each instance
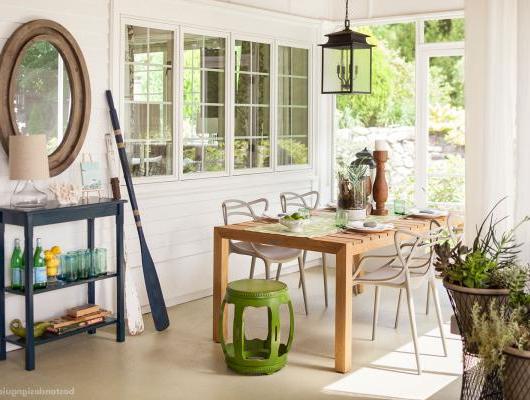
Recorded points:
(257, 356)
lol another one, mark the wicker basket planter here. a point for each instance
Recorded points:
(516, 374)
(476, 385)
(463, 299)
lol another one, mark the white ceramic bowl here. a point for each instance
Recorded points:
(293, 225)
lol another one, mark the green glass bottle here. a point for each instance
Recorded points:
(17, 267)
(40, 278)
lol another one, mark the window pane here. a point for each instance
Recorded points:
(293, 100)
(260, 57)
(148, 100)
(204, 99)
(243, 88)
(214, 82)
(252, 108)
(389, 112)
(136, 44)
(160, 47)
(444, 30)
(241, 153)
(242, 121)
(214, 53)
(243, 55)
(260, 121)
(446, 124)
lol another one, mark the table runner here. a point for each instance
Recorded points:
(322, 224)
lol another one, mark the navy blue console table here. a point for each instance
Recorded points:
(53, 213)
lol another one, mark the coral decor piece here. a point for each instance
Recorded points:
(66, 193)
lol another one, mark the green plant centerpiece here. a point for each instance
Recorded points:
(352, 180)
(482, 273)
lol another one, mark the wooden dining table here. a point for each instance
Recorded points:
(347, 246)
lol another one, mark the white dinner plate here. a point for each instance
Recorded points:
(359, 227)
(433, 214)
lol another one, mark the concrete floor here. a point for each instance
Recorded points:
(184, 363)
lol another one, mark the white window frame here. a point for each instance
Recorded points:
(178, 67)
(310, 119)
(423, 51)
(272, 107)
(124, 21)
(228, 104)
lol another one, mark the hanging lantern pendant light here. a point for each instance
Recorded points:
(346, 61)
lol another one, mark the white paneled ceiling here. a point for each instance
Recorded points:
(318, 9)
(334, 9)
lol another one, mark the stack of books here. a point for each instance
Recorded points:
(77, 318)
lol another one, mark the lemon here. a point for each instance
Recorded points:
(53, 263)
(56, 250)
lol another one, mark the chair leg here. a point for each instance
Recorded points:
(267, 269)
(438, 309)
(278, 271)
(428, 299)
(376, 311)
(396, 322)
(325, 274)
(252, 266)
(302, 279)
(413, 328)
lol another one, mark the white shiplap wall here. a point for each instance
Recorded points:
(178, 216)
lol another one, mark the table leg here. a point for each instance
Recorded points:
(2, 295)
(357, 289)
(343, 309)
(220, 280)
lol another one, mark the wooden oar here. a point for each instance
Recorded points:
(152, 284)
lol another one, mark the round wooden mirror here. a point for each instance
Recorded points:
(45, 89)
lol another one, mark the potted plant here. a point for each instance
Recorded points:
(353, 191)
(482, 273)
(502, 340)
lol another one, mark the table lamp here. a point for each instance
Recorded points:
(28, 161)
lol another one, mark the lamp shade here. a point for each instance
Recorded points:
(28, 157)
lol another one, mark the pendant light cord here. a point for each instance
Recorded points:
(346, 19)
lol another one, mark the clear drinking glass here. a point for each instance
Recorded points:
(60, 269)
(101, 263)
(400, 207)
(70, 267)
(341, 218)
(92, 269)
(83, 264)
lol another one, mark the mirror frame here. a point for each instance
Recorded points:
(10, 58)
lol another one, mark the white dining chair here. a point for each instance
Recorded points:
(268, 254)
(308, 200)
(409, 267)
(455, 236)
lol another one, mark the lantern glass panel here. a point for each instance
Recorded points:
(336, 70)
(362, 70)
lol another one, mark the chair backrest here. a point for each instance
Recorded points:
(243, 208)
(409, 245)
(307, 200)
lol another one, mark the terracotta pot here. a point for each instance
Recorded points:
(516, 374)
(463, 299)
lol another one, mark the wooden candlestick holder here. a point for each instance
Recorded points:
(380, 191)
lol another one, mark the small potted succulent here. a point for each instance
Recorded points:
(482, 273)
